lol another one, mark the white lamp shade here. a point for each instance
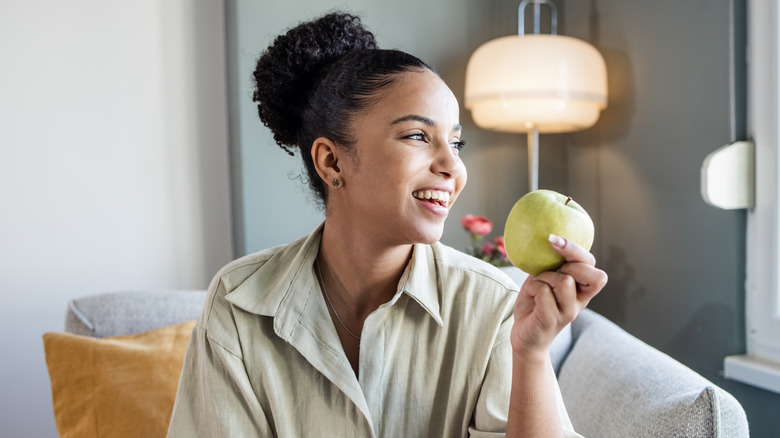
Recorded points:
(552, 82)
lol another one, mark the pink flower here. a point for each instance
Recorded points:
(488, 248)
(499, 242)
(478, 225)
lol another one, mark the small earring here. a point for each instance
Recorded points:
(335, 182)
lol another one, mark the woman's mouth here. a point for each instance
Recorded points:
(433, 196)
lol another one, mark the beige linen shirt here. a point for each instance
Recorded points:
(265, 360)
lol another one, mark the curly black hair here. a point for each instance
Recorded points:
(311, 82)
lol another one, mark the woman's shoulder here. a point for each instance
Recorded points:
(469, 286)
(473, 294)
(245, 283)
(453, 263)
(236, 272)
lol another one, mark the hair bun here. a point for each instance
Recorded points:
(288, 70)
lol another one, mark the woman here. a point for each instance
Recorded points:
(369, 326)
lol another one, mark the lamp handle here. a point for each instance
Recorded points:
(537, 16)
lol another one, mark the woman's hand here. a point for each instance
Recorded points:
(551, 300)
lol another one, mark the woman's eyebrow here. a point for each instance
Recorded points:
(422, 119)
(414, 117)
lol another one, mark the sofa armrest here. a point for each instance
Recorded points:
(130, 313)
(615, 385)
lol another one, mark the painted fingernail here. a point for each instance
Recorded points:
(557, 240)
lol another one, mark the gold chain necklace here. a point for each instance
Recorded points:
(322, 284)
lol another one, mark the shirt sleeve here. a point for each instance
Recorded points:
(492, 407)
(215, 397)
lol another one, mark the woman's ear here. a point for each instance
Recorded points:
(325, 156)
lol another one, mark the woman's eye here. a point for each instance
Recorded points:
(418, 136)
(458, 144)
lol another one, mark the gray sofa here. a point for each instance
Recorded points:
(613, 384)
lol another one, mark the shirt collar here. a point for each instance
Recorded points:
(268, 291)
(421, 280)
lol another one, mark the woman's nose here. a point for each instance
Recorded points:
(447, 162)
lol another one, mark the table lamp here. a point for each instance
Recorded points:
(536, 83)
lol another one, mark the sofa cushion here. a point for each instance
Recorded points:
(614, 385)
(115, 387)
(129, 313)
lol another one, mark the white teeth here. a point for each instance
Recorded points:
(433, 195)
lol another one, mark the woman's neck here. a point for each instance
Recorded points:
(361, 273)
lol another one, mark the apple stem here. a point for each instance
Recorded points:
(567, 201)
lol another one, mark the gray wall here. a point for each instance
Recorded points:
(676, 265)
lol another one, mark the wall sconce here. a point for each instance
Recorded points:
(536, 83)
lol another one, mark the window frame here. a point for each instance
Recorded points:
(760, 366)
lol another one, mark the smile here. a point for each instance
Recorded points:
(442, 198)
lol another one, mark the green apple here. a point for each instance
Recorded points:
(533, 218)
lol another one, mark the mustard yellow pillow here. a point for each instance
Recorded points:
(115, 387)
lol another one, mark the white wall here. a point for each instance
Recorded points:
(113, 168)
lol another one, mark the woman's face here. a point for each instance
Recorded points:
(404, 173)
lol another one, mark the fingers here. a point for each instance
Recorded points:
(571, 251)
(548, 309)
(564, 293)
(574, 285)
(555, 298)
(551, 300)
(589, 279)
(581, 265)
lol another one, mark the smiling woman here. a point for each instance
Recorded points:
(369, 325)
